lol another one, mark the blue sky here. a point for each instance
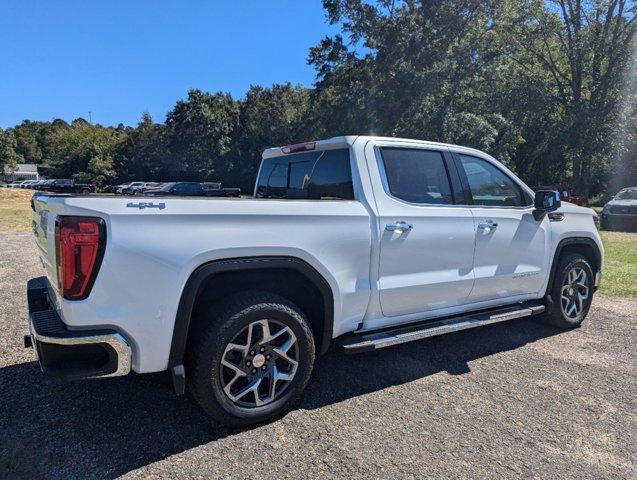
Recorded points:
(119, 58)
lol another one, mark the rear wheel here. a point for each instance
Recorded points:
(250, 358)
(572, 291)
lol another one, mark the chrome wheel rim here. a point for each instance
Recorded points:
(574, 293)
(259, 364)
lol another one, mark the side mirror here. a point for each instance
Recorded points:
(546, 201)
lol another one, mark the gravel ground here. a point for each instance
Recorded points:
(518, 399)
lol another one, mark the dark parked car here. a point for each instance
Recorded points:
(40, 184)
(621, 212)
(192, 189)
(68, 185)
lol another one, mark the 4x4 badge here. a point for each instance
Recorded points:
(142, 205)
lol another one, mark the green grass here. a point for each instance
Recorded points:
(620, 264)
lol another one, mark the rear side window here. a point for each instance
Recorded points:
(417, 175)
(489, 185)
(322, 175)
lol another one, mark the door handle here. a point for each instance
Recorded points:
(399, 227)
(487, 226)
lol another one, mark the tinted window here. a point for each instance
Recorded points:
(319, 175)
(489, 185)
(332, 177)
(416, 175)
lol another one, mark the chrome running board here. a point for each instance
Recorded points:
(373, 340)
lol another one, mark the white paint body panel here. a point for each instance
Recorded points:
(512, 258)
(440, 268)
(430, 266)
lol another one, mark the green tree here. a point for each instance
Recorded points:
(583, 49)
(538, 84)
(413, 69)
(143, 154)
(268, 117)
(199, 134)
(8, 155)
(35, 140)
(87, 152)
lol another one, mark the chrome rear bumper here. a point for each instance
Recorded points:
(72, 354)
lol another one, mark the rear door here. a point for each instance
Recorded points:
(426, 240)
(511, 253)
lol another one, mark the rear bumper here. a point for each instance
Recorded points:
(72, 354)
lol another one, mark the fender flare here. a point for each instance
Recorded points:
(199, 277)
(589, 242)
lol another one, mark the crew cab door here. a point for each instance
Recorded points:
(511, 247)
(426, 240)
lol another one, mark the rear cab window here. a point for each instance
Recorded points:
(315, 175)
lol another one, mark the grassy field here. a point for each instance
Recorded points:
(620, 268)
(619, 278)
(15, 211)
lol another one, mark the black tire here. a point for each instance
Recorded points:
(86, 191)
(556, 314)
(216, 328)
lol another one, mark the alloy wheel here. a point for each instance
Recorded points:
(574, 292)
(259, 363)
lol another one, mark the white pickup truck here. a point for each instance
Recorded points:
(363, 242)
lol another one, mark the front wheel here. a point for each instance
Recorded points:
(572, 291)
(250, 358)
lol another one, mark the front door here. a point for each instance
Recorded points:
(511, 246)
(426, 241)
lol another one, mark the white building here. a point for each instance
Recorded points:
(22, 171)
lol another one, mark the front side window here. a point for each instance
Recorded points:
(489, 185)
(319, 175)
(417, 175)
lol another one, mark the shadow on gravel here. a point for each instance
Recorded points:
(105, 428)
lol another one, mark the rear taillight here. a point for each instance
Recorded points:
(80, 243)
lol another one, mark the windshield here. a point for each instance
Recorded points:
(627, 194)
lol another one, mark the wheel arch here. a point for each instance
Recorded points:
(201, 277)
(583, 245)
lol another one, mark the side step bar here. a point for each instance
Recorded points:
(373, 340)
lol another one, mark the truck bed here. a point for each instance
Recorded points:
(155, 243)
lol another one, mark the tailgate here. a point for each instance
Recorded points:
(43, 224)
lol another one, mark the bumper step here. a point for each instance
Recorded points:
(373, 340)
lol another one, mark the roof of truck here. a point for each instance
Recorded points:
(348, 140)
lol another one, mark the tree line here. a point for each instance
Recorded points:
(548, 87)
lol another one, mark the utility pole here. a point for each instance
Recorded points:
(90, 119)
